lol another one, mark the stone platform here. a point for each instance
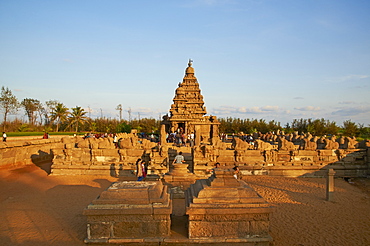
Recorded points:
(223, 208)
(129, 211)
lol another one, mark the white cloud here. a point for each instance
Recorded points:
(351, 77)
(245, 110)
(352, 111)
(347, 102)
(67, 60)
(308, 108)
(270, 108)
(354, 76)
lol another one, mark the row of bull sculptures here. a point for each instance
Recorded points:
(297, 142)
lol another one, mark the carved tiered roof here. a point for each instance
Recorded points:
(188, 102)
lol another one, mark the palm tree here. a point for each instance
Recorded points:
(77, 116)
(59, 114)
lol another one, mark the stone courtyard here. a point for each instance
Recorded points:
(63, 180)
(39, 209)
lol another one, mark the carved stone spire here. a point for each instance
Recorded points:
(187, 113)
(188, 101)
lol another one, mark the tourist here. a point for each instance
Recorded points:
(217, 165)
(178, 139)
(46, 136)
(179, 159)
(140, 169)
(4, 137)
(191, 139)
(236, 172)
(115, 141)
(184, 138)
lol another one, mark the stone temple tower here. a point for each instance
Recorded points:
(187, 113)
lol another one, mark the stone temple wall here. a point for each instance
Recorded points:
(294, 163)
(20, 153)
(101, 156)
(74, 156)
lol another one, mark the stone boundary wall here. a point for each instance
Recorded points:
(15, 154)
(73, 155)
(90, 156)
(294, 163)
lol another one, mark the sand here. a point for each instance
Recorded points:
(37, 209)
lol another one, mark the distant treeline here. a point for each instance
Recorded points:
(318, 127)
(54, 116)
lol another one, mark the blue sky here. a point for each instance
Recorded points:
(272, 60)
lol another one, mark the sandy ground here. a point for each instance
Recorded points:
(37, 209)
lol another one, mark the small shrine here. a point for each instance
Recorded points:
(224, 209)
(129, 212)
(187, 113)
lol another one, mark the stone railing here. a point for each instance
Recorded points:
(74, 155)
(101, 156)
(294, 163)
(25, 152)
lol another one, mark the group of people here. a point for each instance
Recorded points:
(142, 166)
(179, 138)
(235, 170)
(98, 135)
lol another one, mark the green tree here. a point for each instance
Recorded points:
(59, 113)
(50, 105)
(332, 128)
(287, 129)
(77, 117)
(8, 102)
(124, 127)
(301, 125)
(31, 106)
(41, 111)
(364, 132)
(93, 126)
(317, 127)
(350, 128)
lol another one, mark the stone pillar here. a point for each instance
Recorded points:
(163, 135)
(197, 135)
(330, 185)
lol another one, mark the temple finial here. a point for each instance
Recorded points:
(190, 62)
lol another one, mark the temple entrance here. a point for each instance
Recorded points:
(181, 128)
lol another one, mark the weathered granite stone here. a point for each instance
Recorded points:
(129, 210)
(223, 207)
(187, 113)
(179, 177)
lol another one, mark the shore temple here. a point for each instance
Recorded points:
(188, 113)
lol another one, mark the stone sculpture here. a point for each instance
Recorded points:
(284, 144)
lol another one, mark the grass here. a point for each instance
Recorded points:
(23, 134)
